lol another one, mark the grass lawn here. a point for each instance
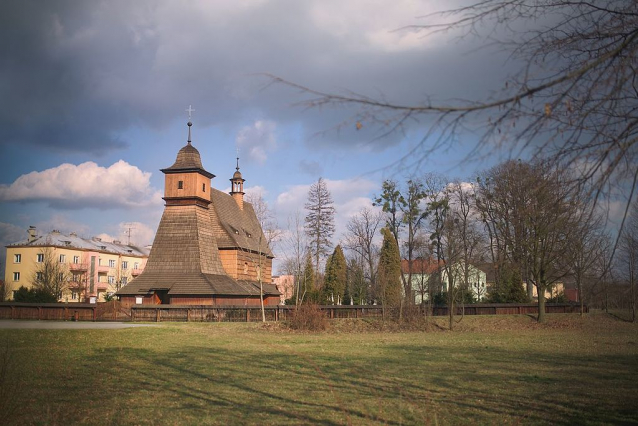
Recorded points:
(491, 370)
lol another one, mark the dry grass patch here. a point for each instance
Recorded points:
(493, 370)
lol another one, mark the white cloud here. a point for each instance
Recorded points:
(137, 233)
(63, 224)
(257, 140)
(349, 196)
(85, 185)
(362, 25)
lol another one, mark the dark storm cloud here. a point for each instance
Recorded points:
(53, 62)
(73, 75)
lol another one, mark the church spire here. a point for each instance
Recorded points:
(237, 186)
(189, 124)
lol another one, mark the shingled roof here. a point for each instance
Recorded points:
(188, 160)
(236, 228)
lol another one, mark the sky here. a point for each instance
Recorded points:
(94, 98)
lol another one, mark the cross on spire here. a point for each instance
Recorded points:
(189, 111)
(237, 168)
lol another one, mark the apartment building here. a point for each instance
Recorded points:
(91, 268)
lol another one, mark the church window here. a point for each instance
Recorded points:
(245, 267)
(203, 187)
(180, 184)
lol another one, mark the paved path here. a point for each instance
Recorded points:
(70, 325)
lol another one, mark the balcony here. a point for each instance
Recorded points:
(103, 285)
(79, 267)
(103, 269)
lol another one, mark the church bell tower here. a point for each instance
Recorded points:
(186, 182)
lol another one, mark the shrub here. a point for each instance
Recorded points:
(559, 298)
(34, 295)
(308, 318)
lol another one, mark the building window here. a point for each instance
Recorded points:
(61, 276)
(124, 264)
(38, 276)
(138, 300)
(203, 187)
(62, 258)
(16, 276)
(40, 257)
(111, 279)
(76, 259)
(136, 266)
(17, 258)
(124, 280)
(111, 263)
(180, 184)
(74, 295)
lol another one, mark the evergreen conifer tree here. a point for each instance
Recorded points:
(335, 279)
(389, 271)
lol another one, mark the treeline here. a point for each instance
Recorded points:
(522, 223)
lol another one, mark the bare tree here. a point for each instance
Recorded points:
(470, 239)
(629, 250)
(295, 249)
(52, 275)
(583, 254)
(266, 218)
(319, 222)
(573, 101)
(362, 230)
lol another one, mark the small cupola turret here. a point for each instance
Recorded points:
(237, 187)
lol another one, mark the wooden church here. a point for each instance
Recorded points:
(209, 248)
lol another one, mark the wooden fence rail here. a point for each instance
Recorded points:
(111, 311)
(159, 313)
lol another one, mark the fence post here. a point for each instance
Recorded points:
(157, 315)
(188, 315)
(247, 314)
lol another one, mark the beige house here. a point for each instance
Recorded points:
(424, 271)
(91, 267)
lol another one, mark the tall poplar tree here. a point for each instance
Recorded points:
(389, 275)
(319, 223)
(335, 277)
